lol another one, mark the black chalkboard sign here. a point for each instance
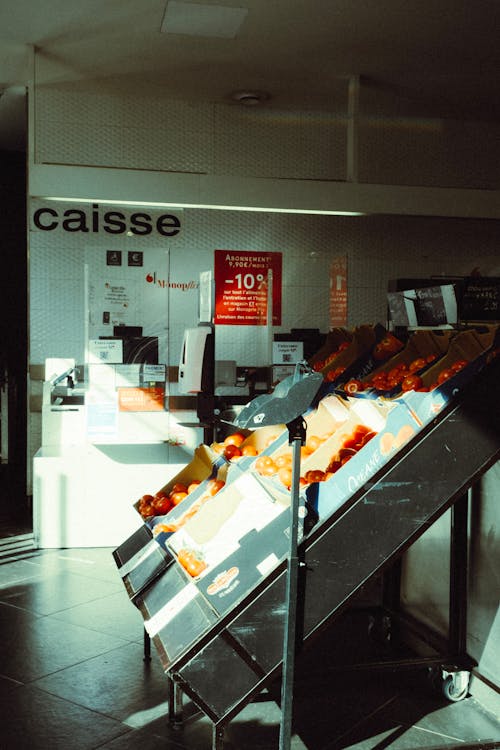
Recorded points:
(430, 307)
(480, 299)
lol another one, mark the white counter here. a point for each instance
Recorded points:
(83, 495)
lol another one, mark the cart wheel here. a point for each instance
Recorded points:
(454, 688)
(380, 628)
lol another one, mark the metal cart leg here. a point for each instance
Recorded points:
(458, 577)
(218, 737)
(147, 646)
(174, 703)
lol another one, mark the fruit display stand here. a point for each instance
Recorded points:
(239, 633)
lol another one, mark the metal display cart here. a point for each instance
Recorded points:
(364, 539)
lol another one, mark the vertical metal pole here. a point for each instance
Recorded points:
(147, 646)
(291, 592)
(458, 577)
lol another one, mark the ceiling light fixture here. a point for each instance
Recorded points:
(249, 98)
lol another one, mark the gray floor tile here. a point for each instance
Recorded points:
(34, 720)
(114, 615)
(118, 683)
(39, 646)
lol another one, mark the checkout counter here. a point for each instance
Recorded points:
(107, 439)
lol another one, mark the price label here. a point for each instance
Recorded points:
(242, 283)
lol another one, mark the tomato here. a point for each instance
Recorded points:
(411, 383)
(397, 373)
(235, 439)
(178, 497)
(313, 442)
(192, 564)
(417, 364)
(265, 465)
(334, 465)
(231, 451)
(430, 358)
(178, 487)
(214, 486)
(305, 452)
(445, 374)
(459, 364)
(162, 504)
(354, 386)
(345, 453)
(284, 460)
(249, 450)
(350, 442)
(285, 476)
(314, 475)
(145, 506)
(193, 486)
(387, 347)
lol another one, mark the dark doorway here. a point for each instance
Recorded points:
(15, 505)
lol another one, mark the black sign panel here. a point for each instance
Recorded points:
(481, 299)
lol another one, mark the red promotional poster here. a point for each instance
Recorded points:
(241, 287)
(338, 292)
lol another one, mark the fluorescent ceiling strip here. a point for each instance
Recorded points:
(180, 206)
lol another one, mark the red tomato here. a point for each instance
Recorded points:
(178, 497)
(231, 451)
(214, 486)
(235, 439)
(265, 465)
(459, 364)
(314, 475)
(354, 386)
(248, 450)
(343, 345)
(178, 487)
(445, 374)
(285, 476)
(387, 347)
(417, 364)
(411, 383)
(162, 505)
(192, 564)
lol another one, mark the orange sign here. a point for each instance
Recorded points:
(141, 399)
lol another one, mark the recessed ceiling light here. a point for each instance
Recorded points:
(197, 19)
(250, 98)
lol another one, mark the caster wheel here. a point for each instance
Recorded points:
(454, 690)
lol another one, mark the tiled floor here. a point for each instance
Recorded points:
(73, 677)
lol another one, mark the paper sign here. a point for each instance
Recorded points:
(288, 352)
(241, 287)
(105, 351)
(141, 399)
(338, 291)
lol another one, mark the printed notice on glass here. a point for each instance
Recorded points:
(241, 287)
(338, 291)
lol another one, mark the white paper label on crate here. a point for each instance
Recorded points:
(267, 564)
(170, 610)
